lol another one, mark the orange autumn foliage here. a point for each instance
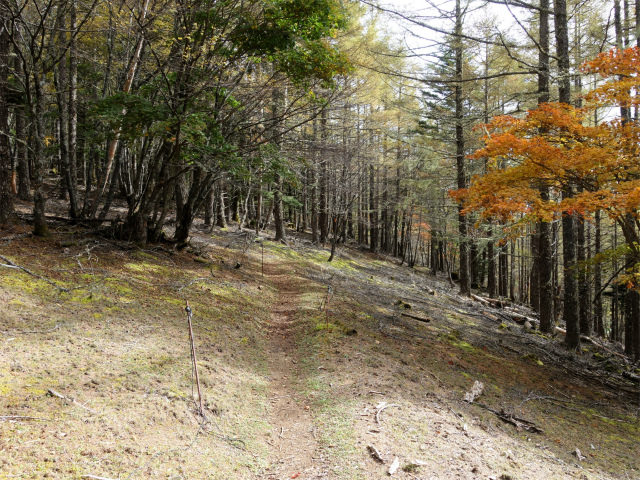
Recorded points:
(551, 147)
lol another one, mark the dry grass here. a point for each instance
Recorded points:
(119, 347)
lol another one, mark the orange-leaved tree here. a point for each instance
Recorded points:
(553, 148)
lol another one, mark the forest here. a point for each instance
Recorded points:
(405, 238)
(317, 116)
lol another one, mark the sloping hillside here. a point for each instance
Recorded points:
(96, 377)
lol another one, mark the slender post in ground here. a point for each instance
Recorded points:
(193, 356)
(329, 295)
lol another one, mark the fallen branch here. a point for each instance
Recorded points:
(483, 301)
(519, 423)
(489, 301)
(375, 453)
(381, 407)
(631, 376)
(416, 317)
(24, 332)
(584, 338)
(21, 417)
(53, 393)
(10, 264)
(96, 478)
(521, 319)
(609, 351)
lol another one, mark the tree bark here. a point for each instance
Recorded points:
(220, 217)
(277, 209)
(73, 114)
(373, 211)
(132, 68)
(465, 281)
(544, 259)
(570, 310)
(6, 194)
(598, 316)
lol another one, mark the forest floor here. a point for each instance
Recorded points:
(96, 378)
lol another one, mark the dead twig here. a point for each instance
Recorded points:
(375, 453)
(22, 417)
(519, 423)
(383, 406)
(558, 391)
(10, 264)
(24, 332)
(415, 317)
(53, 393)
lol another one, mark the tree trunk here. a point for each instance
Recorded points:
(6, 194)
(544, 259)
(209, 204)
(465, 281)
(545, 272)
(220, 217)
(491, 264)
(130, 75)
(373, 211)
(62, 87)
(570, 310)
(598, 316)
(277, 209)
(323, 218)
(583, 285)
(39, 197)
(73, 114)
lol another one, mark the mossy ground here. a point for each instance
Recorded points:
(118, 345)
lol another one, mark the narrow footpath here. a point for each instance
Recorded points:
(292, 443)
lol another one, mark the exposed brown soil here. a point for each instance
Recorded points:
(293, 446)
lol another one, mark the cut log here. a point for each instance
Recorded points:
(522, 319)
(483, 301)
(490, 301)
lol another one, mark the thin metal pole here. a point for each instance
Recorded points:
(193, 355)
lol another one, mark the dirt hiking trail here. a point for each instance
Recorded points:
(293, 446)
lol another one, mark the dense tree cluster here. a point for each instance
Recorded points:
(309, 115)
